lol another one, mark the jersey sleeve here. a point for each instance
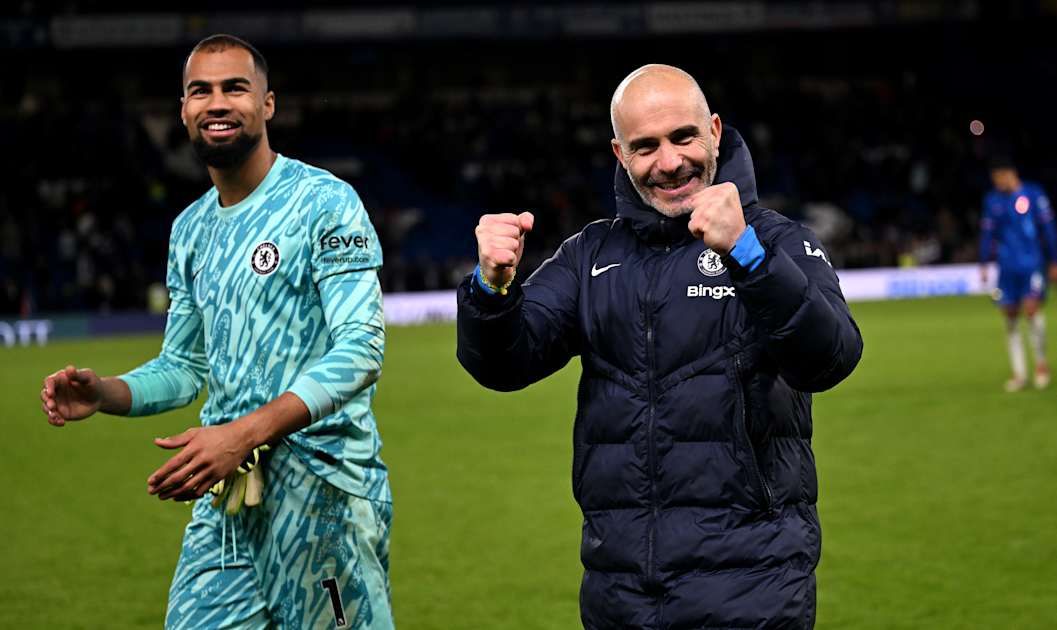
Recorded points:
(1044, 218)
(343, 238)
(175, 377)
(345, 257)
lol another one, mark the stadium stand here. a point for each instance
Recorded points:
(870, 145)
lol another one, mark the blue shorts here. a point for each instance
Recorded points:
(1016, 286)
(309, 556)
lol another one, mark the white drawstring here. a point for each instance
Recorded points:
(224, 540)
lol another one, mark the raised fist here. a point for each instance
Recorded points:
(717, 217)
(500, 243)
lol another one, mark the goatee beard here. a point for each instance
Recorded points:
(226, 155)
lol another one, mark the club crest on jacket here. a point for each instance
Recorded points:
(710, 264)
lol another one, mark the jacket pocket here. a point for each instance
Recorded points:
(765, 495)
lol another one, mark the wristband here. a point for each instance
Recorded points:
(490, 288)
(747, 250)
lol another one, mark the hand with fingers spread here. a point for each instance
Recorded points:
(207, 455)
(718, 218)
(500, 244)
(71, 394)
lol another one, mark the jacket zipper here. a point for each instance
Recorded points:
(765, 489)
(651, 453)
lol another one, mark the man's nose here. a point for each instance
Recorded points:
(668, 158)
(218, 102)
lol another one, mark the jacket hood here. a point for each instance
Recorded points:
(734, 164)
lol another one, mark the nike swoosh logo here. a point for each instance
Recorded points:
(597, 271)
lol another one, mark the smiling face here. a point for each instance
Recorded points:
(666, 138)
(225, 105)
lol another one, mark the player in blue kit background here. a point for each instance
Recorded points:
(1017, 230)
(276, 306)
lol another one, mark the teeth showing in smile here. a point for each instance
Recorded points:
(678, 183)
(220, 126)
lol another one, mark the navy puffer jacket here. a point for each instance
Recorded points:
(692, 441)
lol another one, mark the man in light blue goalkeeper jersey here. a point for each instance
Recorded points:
(276, 306)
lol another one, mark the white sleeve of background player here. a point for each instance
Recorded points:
(175, 377)
(345, 258)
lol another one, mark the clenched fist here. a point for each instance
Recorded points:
(717, 217)
(500, 243)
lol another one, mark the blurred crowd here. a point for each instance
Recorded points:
(878, 159)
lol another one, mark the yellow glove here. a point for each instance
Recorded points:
(245, 486)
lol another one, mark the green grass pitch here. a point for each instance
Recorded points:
(937, 488)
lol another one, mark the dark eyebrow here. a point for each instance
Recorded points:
(226, 83)
(685, 131)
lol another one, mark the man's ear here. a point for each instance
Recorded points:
(269, 105)
(617, 151)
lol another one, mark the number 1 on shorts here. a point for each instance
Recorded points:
(331, 584)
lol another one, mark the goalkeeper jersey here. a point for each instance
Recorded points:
(277, 293)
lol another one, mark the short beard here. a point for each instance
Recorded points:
(227, 155)
(708, 176)
(644, 195)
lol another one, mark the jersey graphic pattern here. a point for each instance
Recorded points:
(310, 556)
(278, 293)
